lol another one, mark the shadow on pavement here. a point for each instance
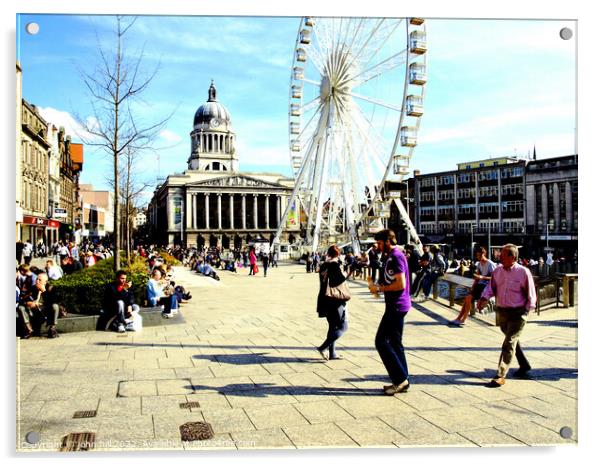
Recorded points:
(342, 346)
(556, 323)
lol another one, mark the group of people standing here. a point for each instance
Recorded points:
(510, 283)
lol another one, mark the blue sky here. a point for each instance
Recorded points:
(496, 87)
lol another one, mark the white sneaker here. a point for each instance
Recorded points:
(120, 328)
(167, 315)
(130, 327)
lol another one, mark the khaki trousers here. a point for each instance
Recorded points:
(511, 323)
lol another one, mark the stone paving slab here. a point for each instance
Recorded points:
(491, 437)
(371, 433)
(319, 435)
(262, 439)
(260, 382)
(264, 417)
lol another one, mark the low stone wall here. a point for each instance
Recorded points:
(151, 317)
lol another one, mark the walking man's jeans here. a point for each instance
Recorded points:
(389, 346)
(337, 325)
(511, 322)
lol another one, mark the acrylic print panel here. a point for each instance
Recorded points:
(191, 141)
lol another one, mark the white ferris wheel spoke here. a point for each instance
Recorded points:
(309, 105)
(374, 101)
(382, 36)
(358, 56)
(386, 65)
(311, 81)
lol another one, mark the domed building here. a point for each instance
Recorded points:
(212, 139)
(212, 203)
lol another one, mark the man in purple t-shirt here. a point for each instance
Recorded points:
(394, 283)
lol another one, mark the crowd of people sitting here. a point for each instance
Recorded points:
(209, 260)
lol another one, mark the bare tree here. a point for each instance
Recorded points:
(132, 189)
(114, 85)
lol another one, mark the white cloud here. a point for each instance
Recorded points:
(485, 127)
(61, 118)
(170, 136)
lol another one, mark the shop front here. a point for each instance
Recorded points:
(36, 229)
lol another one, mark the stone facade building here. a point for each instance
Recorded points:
(212, 202)
(34, 148)
(552, 201)
(72, 160)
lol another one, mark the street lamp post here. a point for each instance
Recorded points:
(548, 235)
(471, 240)
(488, 239)
(407, 210)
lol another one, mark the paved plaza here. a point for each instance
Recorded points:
(246, 355)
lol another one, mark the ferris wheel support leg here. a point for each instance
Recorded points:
(409, 225)
(298, 182)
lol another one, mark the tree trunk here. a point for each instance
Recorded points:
(117, 217)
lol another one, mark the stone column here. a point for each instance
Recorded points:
(169, 203)
(544, 206)
(231, 211)
(219, 211)
(278, 208)
(188, 211)
(195, 214)
(568, 195)
(267, 211)
(556, 207)
(244, 211)
(255, 225)
(207, 211)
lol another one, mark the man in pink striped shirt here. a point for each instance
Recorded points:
(515, 296)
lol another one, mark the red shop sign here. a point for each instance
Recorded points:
(34, 220)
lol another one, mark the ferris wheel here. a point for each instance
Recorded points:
(356, 101)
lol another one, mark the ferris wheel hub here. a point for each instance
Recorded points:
(326, 89)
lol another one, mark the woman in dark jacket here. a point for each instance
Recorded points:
(333, 309)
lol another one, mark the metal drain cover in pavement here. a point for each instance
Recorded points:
(83, 414)
(190, 404)
(196, 431)
(79, 441)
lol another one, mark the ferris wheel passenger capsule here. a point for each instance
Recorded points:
(401, 165)
(416, 21)
(301, 54)
(417, 73)
(294, 127)
(304, 36)
(408, 136)
(295, 146)
(298, 73)
(418, 42)
(414, 105)
(296, 91)
(295, 110)
(309, 22)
